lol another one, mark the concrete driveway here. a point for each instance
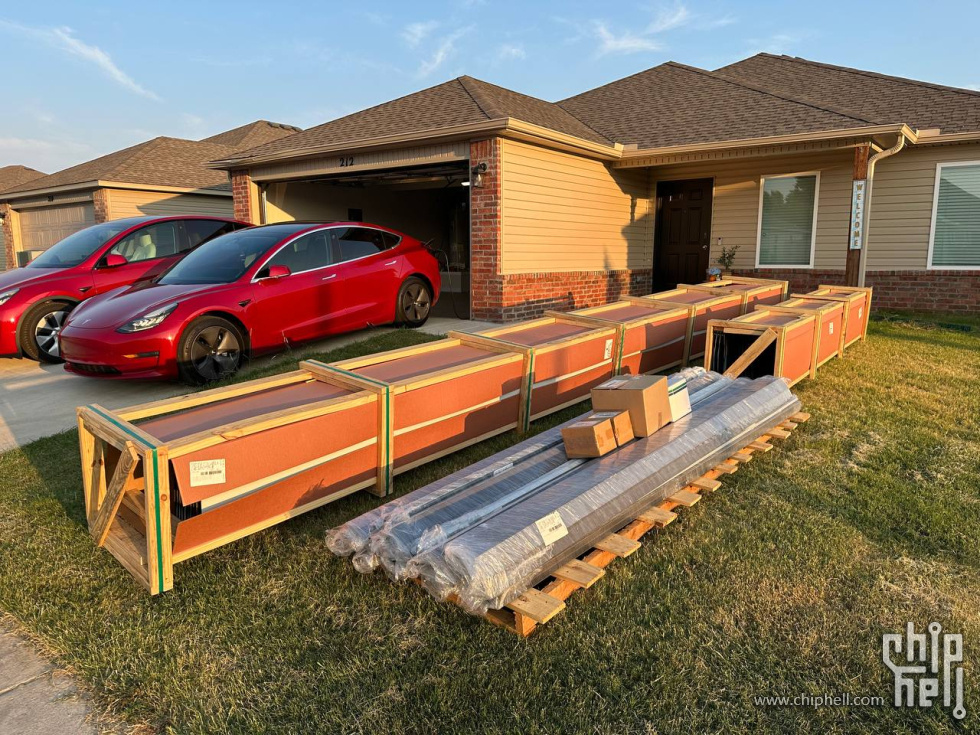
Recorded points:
(40, 400)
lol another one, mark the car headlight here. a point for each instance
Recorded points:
(7, 295)
(148, 321)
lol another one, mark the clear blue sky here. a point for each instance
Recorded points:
(84, 79)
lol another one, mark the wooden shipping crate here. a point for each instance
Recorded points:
(830, 315)
(702, 306)
(858, 308)
(754, 294)
(168, 480)
(444, 395)
(564, 358)
(652, 337)
(764, 343)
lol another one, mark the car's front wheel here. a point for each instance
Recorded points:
(39, 330)
(210, 349)
(414, 302)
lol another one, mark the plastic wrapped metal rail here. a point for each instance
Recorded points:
(397, 531)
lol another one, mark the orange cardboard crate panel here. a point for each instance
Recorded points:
(754, 293)
(702, 306)
(857, 308)
(830, 323)
(791, 355)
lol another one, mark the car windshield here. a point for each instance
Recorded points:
(226, 258)
(75, 248)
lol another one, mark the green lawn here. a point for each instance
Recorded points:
(781, 583)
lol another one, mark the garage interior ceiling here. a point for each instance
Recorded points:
(436, 176)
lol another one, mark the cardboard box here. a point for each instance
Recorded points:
(589, 437)
(621, 423)
(680, 400)
(644, 396)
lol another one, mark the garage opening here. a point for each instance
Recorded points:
(429, 203)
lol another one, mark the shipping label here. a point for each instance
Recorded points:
(207, 472)
(552, 528)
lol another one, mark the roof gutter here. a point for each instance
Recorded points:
(888, 152)
(506, 126)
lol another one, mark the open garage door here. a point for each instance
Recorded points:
(42, 227)
(430, 203)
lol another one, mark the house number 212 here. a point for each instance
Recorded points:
(346, 161)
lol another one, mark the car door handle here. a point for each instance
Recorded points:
(327, 278)
(391, 262)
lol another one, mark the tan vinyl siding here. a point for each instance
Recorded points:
(134, 203)
(901, 206)
(735, 206)
(562, 212)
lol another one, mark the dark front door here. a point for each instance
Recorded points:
(683, 228)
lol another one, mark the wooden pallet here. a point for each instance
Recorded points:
(542, 603)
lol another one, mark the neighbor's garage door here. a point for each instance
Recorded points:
(42, 227)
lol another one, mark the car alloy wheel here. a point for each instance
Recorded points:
(416, 303)
(215, 353)
(46, 333)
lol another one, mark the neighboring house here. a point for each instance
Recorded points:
(640, 183)
(11, 176)
(159, 177)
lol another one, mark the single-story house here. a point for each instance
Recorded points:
(814, 172)
(11, 176)
(159, 177)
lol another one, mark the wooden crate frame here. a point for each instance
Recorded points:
(694, 312)
(126, 471)
(497, 355)
(724, 286)
(597, 315)
(748, 279)
(494, 339)
(790, 306)
(748, 325)
(849, 295)
(543, 602)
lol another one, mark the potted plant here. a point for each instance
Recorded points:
(727, 259)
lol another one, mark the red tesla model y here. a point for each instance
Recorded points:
(249, 292)
(36, 300)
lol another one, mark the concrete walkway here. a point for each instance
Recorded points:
(40, 400)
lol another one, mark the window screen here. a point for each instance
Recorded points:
(956, 241)
(786, 234)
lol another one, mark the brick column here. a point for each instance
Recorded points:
(486, 282)
(100, 204)
(9, 228)
(245, 194)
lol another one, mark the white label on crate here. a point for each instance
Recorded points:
(831, 326)
(608, 353)
(207, 472)
(551, 528)
(860, 312)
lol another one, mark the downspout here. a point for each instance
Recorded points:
(888, 152)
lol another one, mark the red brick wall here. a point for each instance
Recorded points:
(240, 182)
(527, 295)
(486, 283)
(100, 205)
(8, 238)
(942, 291)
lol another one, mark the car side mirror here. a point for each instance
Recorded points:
(114, 260)
(276, 272)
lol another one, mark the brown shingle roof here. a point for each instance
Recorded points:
(11, 176)
(456, 102)
(673, 104)
(159, 162)
(254, 134)
(878, 97)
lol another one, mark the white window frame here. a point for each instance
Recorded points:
(813, 225)
(932, 223)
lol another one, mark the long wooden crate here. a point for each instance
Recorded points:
(754, 294)
(764, 342)
(168, 480)
(543, 602)
(702, 306)
(831, 316)
(652, 336)
(857, 309)
(564, 357)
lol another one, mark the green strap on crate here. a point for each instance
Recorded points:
(619, 352)
(386, 393)
(530, 389)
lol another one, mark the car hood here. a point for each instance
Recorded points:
(115, 308)
(20, 277)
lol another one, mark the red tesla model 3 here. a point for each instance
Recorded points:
(249, 292)
(36, 300)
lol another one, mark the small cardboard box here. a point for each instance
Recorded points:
(589, 437)
(680, 400)
(622, 426)
(644, 396)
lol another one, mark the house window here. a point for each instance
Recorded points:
(788, 221)
(955, 241)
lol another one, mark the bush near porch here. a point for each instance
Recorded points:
(780, 583)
